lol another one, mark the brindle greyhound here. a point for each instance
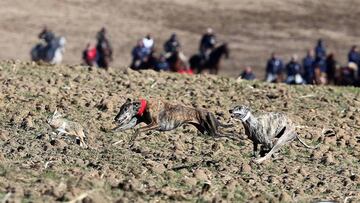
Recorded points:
(163, 116)
(265, 129)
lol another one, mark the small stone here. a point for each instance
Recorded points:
(200, 175)
(245, 168)
(328, 159)
(189, 181)
(285, 197)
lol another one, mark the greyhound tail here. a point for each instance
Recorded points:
(307, 146)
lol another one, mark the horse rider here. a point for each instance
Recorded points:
(47, 35)
(149, 44)
(293, 69)
(274, 69)
(207, 43)
(49, 38)
(309, 67)
(103, 49)
(172, 44)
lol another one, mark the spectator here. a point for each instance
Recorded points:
(347, 74)
(320, 51)
(162, 64)
(309, 67)
(207, 43)
(354, 55)
(274, 69)
(172, 44)
(103, 49)
(89, 55)
(248, 74)
(331, 65)
(293, 69)
(138, 53)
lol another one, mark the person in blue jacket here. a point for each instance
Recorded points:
(320, 51)
(274, 69)
(293, 69)
(248, 74)
(309, 67)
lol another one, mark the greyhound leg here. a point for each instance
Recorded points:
(198, 127)
(255, 148)
(285, 138)
(151, 126)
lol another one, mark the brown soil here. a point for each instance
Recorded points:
(253, 28)
(181, 165)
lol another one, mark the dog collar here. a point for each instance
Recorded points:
(142, 108)
(246, 117)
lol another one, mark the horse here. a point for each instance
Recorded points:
(51, 53)
(177, 61)
(212, 63)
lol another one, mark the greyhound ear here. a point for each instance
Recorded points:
(128, 100)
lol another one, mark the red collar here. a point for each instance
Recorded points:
(142, 107)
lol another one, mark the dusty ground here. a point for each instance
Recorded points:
(181, 165)
(253, 28)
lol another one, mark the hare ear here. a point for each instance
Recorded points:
(55, 112)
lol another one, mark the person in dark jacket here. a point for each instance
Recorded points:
(248, 74)
(309, 67)
(347, 74)
(354, 55)
(320, 51)
(138, 54)
(331, 65)
(293, 69)
(162, 64)
(274, 69)
(103, 49)
(207, 43)
(51, 43)
(47, 35)
(172, 44)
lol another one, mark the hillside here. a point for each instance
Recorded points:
(253, 28)
(181, 165)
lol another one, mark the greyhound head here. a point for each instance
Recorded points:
(240, 112)
(128, 115)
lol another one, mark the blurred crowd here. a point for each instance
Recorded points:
(317, 67)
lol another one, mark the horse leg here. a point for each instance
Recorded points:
(216, 69)
(212, 70)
